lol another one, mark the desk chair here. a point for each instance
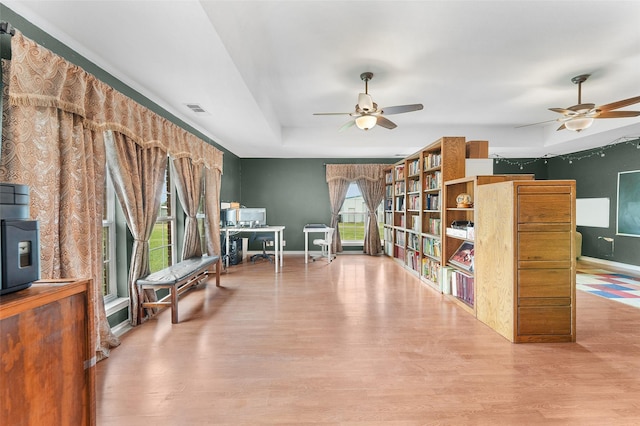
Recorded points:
(324, 244)
(263, 238)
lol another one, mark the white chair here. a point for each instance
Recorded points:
(325, 245)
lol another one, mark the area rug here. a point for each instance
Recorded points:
(618, 287)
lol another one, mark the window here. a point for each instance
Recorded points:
(353, 217)
(109, 279)
(162, 241)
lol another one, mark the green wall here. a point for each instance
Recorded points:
(294, 191)
(507, 166)
(596, 176)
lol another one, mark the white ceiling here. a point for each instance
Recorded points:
(262, 68)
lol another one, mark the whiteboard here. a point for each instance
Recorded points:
(592, 212)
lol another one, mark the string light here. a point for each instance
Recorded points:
(570, 158)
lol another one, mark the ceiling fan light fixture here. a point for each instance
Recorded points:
(366, 122)
(579, 123)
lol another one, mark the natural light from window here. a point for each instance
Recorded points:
(353, 217)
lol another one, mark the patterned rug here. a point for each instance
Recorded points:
(619, 287)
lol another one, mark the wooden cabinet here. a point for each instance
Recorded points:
(459, 219)
(47, 355)
(525, 259)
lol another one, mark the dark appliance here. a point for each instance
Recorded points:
(19, 243)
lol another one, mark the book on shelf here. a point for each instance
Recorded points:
(463, 287)
(413, 241)
(434, 225)
(413, 259)
(388, 177)
(414, 167)
(463, 257)
(447, 271)
(431, 247)
(432, 160)
(431, 270)
(415, 223)
(432, 202)
(433, 180)
(414, 185)
(413, 201)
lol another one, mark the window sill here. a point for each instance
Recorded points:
(116, 305)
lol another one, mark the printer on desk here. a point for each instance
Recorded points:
(19, 243)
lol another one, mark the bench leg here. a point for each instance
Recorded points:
(174, 304)
(218, 266)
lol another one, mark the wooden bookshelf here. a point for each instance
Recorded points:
(459, 278)
(414, 222)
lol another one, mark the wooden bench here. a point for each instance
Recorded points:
(177, 278)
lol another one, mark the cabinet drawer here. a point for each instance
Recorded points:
(549, 320)
(549, 208)
(544, 246)
(544, 283)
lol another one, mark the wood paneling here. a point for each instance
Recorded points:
(526, 265)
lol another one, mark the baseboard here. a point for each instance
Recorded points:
(612, 264)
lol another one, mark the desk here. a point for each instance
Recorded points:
(278, 240)
(328, 236)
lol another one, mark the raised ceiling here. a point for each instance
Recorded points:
(260, 69)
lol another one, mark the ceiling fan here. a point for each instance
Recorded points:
(579, 117)
(367, 114)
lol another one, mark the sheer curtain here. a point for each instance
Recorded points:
(188, 179)
(53, 126)
(339, 176)
(137, 174)
(212, 180)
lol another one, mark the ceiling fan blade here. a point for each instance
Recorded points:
(386, 123)
(619, 104)
(332, 113)
(562, 110)
(401, 108)
(617, 114)
(365, 103)
(561, 127)
(347, 125)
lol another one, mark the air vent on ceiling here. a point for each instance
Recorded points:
(196, 108)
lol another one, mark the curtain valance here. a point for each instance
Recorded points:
(39, 77)
(353, 172)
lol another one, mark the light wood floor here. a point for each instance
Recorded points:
(362, 342)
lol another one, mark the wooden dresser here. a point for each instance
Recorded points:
(525, 259)
(47, 355)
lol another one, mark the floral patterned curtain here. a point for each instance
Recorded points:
(62, 162)
(339, 176)
(53, 126)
